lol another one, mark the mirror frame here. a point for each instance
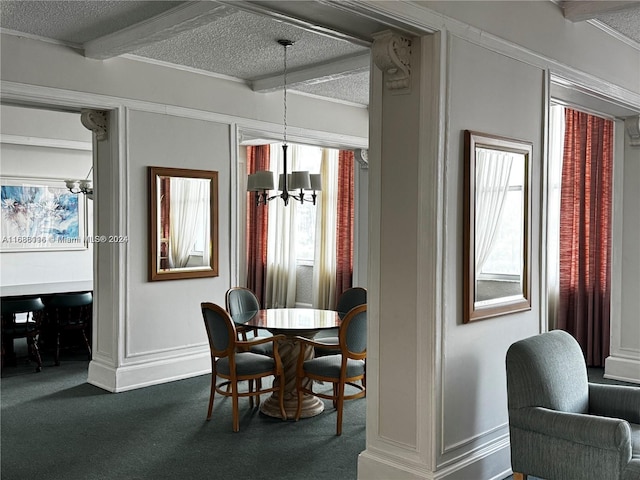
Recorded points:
(154, 274)
(472, 312)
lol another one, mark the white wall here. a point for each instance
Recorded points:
(436, 397)
(494, 94)
(193, 144)
(624, 360)
(47, 145)
(150, 333)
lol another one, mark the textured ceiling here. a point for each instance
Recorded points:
(627, 22)
(76, 22)
(238, 38)
(238, 43)
(244, 45)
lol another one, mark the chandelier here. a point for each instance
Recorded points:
(81, 186)
(290, 185)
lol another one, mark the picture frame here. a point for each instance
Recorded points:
(41, 214)
(497, 226)
(185, 244)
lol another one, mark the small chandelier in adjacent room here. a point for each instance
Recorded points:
(291, 185)
(81, 186)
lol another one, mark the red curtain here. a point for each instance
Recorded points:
(257, 221)
(585, 233)
(345, 222)
(165, 202)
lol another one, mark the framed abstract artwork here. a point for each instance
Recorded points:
(40, 214)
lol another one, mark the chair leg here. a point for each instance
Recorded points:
(340, 405)
(519, 476)
(281, 395)
(57, 357)
(234, 397)
(86, 342)
(250, 391)
(32, 344)
(211, 395)
(258, 387)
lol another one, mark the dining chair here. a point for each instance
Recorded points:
(67, 312)
(234, 365)
(28, 329)
(351, 297)
(342, 369)
(239, 300)
(560, 425)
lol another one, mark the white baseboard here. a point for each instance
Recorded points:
(490, 463)
(624, 369)
(130, 377)
(372, 466)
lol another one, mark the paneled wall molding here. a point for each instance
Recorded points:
(45, 142)
(633, 130)
(472, 440)
(96, 121)
(24, 93)
(391, 52)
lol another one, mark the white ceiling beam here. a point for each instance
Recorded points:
(319, 73)
(161, 27)
(580, 10)
(313, 27)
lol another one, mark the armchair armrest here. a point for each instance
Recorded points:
(251, 343)
(315, 343)
(591, 430)
(618, 401)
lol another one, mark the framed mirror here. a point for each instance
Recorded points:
(183, 230)
(497, 226)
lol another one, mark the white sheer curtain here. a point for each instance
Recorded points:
(281, 252)
(493, 169)
(185, 210)
(554, 182)
(324, 268)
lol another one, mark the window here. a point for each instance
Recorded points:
(505, 259)
(305, 238)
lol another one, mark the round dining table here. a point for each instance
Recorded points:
(291, 322)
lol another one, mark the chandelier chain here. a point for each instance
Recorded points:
(285, 94)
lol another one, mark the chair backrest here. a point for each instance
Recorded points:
(547, 370)
(353, 332)
(241, 300)
(21, 305)
(351, 297)
(70, 300)
(220, 329)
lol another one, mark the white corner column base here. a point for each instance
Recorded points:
(486, 463)
(130, 377)
(372, 466)
(623, 369)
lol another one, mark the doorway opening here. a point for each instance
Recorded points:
(48, 252)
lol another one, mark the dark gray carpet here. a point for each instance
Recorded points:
(55, 426)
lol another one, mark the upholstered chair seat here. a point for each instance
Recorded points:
(331, 366)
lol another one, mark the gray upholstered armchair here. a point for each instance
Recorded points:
(562, 427)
